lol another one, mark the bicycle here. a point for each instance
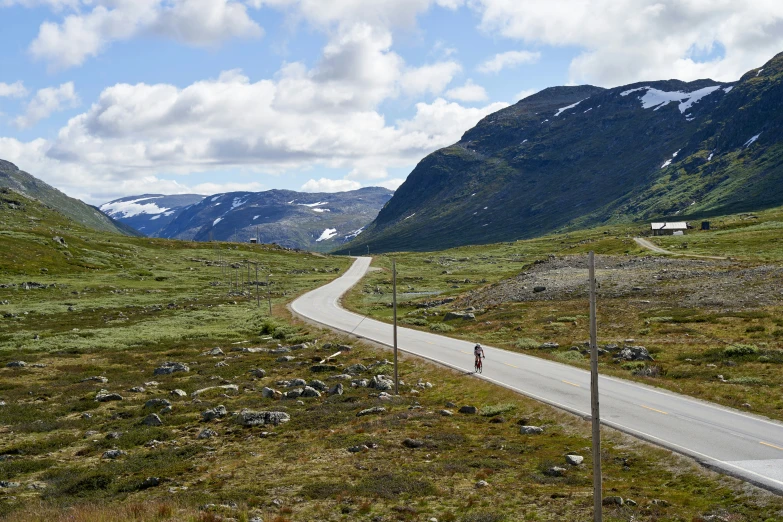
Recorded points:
(477, 366)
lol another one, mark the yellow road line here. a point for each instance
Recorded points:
(653, 409)
(771, 445)
(463, 351)
(572, 384)
(517, 367)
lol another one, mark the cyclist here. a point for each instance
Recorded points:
(478, 353)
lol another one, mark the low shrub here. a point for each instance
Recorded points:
(441, 327)
(415, 321)
(739, 350)
(526, 343)
(496, 409)
(755, 328)
(747, 381)
(570, 355)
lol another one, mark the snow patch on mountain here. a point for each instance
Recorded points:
(127, 209)
(321, 210)
(329, 233)
(353, 234)
(237, 203)
(218, 220)
(752, 140)
(311, 205)
(655, 98)
(560, 110)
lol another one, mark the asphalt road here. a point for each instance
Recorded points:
(734, 442)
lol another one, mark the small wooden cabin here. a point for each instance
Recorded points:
(669, 229)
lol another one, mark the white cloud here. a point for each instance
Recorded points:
(470, 92)
(391, 184)
(47, 101)
(508, 59)
(429, 79)
(330, 185)
(197, 22)
(635, 40)
(12, 90)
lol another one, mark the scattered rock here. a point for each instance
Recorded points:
(450, 405)
(413, 443)
(531, 430)
(466, 316)
(227, 387)
(555, 471)
(319, 368)
(310, 392)
(269, 393)
(482, 484)
(168, 368)
(152, 420)
(381, 383)
(634, 353)
(469, 410)
(105, 396)
(549, 346)
(293, 394)
(371, 411)
(258, 372)
(337, 389)
(207, 434)
(286, 358)
(86, 415)
(214, 352)
(6, 484)
(16, 364)
(658, 502)
(150, 482)
(613, 501)
(221, 364)
(249, 418)
(157, 403)
(166, 410)
(574, 460)
(356, 369)
(137, 389)
(179, 393)
(112, 454)
(318, 385)
(296, 382)
(97, 378)
(497, 420)
(630, 502)
(446, 413)
(113, 435)
(215, 413)
(360, 383)
(358, 449)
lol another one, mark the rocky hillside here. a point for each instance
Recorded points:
(312, 221)
(13, 178)
(150, 213)
(572, 157)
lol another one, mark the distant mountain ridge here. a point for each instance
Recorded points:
(149, 213)
(32, 187)
(582, 156)
(311, 221)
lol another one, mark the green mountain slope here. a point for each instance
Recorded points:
(84, 214)
(571, 157)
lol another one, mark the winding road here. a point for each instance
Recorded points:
(733, 442)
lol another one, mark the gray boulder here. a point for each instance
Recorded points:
(574, 460)
(555, 471)
(207, 433)
(215, 413)
(356, 369)
(286, 358)
(293, 394)
(413, 443)
(634, 353)
(469, 410)
(446, 413)
(249, 418)
(466, 316)
(318, 385)
(113, 454)
(152, 420)
(157, 403)
(381, 383)
(269, 393)
(105, 396)
(371, 411)
(179, 393)
(214, 351)
(310, 392)
(337, 389)
(168, 368)
(613, 501)
(297, 382)
(16, 364)
(531, 430)
(97, 378)
(258, 372)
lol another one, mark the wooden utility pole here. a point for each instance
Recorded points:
(594, 413)
(258, 297)
(269, 294)
(394, 306)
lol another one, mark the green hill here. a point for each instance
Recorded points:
(82, 213)
(575, 157)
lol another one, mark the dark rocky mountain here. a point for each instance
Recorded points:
(311, 221)
(571, 157)
(150, 213)
(87, 215)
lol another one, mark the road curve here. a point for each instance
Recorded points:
(649, 245)
(734, 442)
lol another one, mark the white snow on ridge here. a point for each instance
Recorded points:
(657, 98)
(170, 212)
(666, 163)
(752, 140)
(126, 209)
(256, 217)
(561, 109)
(311, 205)
(410, 216)
(329, 233)
(710, 158)
(237, 203)
(728, 89)
(218, 220)
(157, 216)
(759, 72)
(319, 210)
(353, 234)
(215, 198)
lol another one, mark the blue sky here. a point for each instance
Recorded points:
(109, 98)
